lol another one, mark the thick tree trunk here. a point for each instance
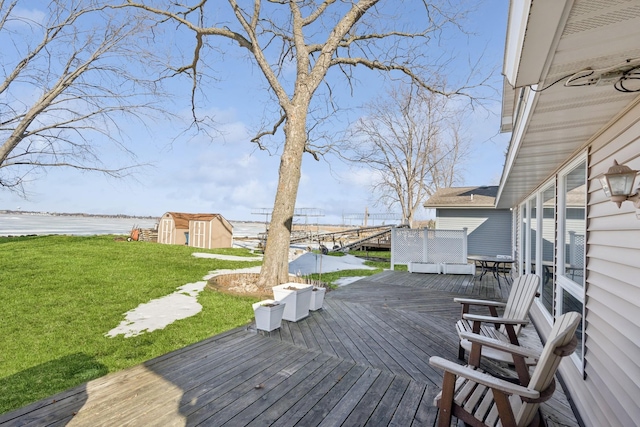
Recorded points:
(275, 268)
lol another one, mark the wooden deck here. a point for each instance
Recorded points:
(362, 360)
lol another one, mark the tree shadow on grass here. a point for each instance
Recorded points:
(40, 381)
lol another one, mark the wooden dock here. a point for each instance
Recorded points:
(362, 360)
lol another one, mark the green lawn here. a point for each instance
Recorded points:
(60, 295)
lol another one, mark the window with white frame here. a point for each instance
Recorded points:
(552, 244)
(571, 235)
(533, 233)
(529, 233)
(546, 243)
(524, 230)
(539, 235)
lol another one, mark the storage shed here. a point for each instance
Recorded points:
(488, 229)
(207, 231)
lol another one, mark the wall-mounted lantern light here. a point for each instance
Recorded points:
(618, 184)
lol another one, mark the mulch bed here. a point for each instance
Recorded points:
(246, 284)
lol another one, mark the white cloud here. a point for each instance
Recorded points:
(223, 172)
(26, 17)
(361, 177)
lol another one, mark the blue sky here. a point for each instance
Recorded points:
(226, 174)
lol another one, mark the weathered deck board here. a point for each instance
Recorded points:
(305, 394)
(336, 346)
(406, 410)
(359, 337)
(253, 397)
(223, 383)
(361, 412)
(73, 398)
(395, 351)
(294, 413)
(361, 361)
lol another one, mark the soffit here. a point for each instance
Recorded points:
(598, 34)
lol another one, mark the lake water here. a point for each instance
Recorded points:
(23, 224)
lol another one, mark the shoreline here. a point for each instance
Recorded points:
(155, 218)
(76, 214)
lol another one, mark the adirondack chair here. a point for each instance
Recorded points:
(507, 327)
(480, 399)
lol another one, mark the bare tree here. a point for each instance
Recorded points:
(311, 37)
(65, 85)
(411, 140)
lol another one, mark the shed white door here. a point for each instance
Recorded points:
(198, 234)
(165, 232)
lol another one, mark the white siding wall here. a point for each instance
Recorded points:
(609, 393)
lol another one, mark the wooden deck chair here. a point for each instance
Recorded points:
(507, 327)
(480, 399)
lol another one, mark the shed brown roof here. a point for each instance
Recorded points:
(182, 219)
(463, 197)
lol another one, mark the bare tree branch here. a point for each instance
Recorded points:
(312, 37)
(209, 31)
(377, 65)
(64, 80)
(411, 140)
(276, 126)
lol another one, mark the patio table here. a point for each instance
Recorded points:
(492, 263)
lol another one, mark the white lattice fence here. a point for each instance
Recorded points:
(428, 246)
(407, 245)
(446, 246)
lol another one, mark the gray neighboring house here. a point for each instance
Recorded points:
(488, 228)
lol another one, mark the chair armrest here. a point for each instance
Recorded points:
(491, 319)
(487, 303)
(499, 345)
(482, 378)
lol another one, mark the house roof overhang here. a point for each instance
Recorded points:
(531, 35)
(552, 122)
(463, 198)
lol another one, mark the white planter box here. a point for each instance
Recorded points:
(424, 267)
(317, 298)
(458, 268)
(297, 298)
(268, 314)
